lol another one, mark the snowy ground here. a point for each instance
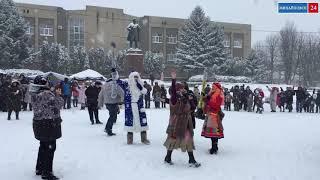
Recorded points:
(279, 146)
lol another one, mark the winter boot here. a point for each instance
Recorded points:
(144, 139)
(130, 138)
(192, 161)
(49, 176)
(98, 122)
(109, 132)
(9, 116)
(214, 146)
(167, 159)
(17, 115)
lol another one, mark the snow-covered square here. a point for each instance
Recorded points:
(278, 146)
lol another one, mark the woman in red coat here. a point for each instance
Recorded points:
(212, 127)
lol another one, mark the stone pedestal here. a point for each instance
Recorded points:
(134, 61)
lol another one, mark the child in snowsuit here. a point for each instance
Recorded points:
(228, 101)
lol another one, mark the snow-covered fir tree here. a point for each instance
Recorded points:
(153, 63)
(13, 38)
(53, 57)
(257, 66)
(79, 59)
(97, 59)
(200, 43)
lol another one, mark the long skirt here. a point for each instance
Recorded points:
(212, 127)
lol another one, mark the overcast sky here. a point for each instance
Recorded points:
(261, 14)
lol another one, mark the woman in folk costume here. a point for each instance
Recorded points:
(180, 128)
(135, 114)
(212, 127)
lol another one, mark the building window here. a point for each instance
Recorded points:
(172, 39)
(157, 38)
(237, 43)
(46, 30)
(76, 32)
(226, 42)
(30, 30)
(171, 57)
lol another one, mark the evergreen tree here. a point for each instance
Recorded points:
(97, 59)
(52, 57)
(13, 37)
(153, 63)
(257, 66)
(200, 43)
(79, 59)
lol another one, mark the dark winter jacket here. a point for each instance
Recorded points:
(92, 93)
(289, 96)
(15, 97)
(207, 90)
(318, 98)
(301, 95)
(156, 90)
(46, 115)
(147, 97)
(163, 93)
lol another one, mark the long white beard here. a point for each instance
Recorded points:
(134, 90)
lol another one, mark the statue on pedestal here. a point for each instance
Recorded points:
(133, 35)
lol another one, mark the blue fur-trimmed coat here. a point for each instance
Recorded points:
(135, 115)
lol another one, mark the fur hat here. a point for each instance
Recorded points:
(179, 86)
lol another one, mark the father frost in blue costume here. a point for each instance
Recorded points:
(135, 113)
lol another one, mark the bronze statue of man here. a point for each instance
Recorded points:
(133, 35)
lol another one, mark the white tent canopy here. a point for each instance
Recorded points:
(88, 74)
(47, 74)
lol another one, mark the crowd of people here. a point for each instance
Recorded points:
(46, 99)
(243, 98)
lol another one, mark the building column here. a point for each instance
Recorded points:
(164, 44)
(36, 33)
(231, 43)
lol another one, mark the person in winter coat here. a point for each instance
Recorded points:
(236, 97)
(289, 93)
(163, 96)
(156, 94)
(46, 125)
(196, 92)
(66, 88)
(258, 100)
(92, 93)
(75, 94)
(300, 98)
(281, 100)
(250, 102)
(191, 94)
(212, 126)
(15, 97)
(273, 98)
(27, 97)
(112, 96)
(207, 89)
(135, 114)
(24, 84)
(147, 97)
(82, 95)
(313, 101)
(4, 95)
(318, 102)
(249, 99)
(180, 128)
(243, 98)
(228, 101)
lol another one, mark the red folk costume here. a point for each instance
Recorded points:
(212, 127)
